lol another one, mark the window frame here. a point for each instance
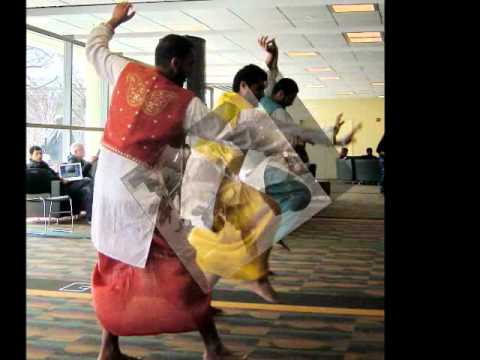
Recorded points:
(69, 43)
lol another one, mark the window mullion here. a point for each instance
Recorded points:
(68, 66)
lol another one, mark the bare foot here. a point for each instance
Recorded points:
(115, 355)
(216, 311)
(283, 245)
(264, 289)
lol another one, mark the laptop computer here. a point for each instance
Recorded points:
(71, 172)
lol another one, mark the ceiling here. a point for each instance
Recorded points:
(231, 29)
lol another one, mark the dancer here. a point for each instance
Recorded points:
(290, 190)
(140, 285)
(282, 93)
(238, 231)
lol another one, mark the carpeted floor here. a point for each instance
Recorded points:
(354, 202)
(329, 257)
(337, 261)
(67, 329)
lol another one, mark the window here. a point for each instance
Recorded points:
(91, 141)
(45, 80)
(54, 142)
(60, 111)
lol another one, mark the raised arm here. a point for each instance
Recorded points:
(107, 64)
(271, 61)
(347, 139)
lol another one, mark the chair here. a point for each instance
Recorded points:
(345, 170)
(52, 199)
(367, 170)
(51, 189)
(38, 197)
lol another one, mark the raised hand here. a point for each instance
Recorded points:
(272, 50)
(338, 123)
(350, 137)
(121, 14)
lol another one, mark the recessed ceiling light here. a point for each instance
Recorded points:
(345, 92)
(329, 78)
(381, 96)
(318, 69)
(378, 83)
(363, 34)
(366, 40)
(302, 53)
(316, 86)
(353, 8)
(364, 37)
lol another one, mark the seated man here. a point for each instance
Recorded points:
(38, 174)
(344, 154)
(369, 154)
(77, 155)
(81, 191)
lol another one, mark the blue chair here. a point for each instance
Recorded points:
(345, 170)
(367, 170)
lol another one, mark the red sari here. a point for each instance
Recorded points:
(161, 298)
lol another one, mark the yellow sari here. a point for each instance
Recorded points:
(242, 214)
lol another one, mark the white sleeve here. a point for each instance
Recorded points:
(285, 123)
(200, 121)
(107, 64)
(196, 110)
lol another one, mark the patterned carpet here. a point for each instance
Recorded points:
(67, 329)
(355, 202)
(335, 262)
(329, 256)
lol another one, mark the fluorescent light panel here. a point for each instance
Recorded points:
(302, 53)
(329, 78)
(364, 37)
(316, 86)
(378, 83)
(318, 69)
(366, 40)
(363, 34)
(337, 8)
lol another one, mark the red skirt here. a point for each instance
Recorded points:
(160, 298)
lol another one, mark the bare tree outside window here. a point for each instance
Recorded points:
(45, 90)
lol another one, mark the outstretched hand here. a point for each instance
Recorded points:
(271, 48)
(350, 138)
(338, 123)
(121, 14)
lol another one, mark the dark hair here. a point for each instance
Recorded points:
(344, 149)
(371, 150)
(251, 74)
(288, 86)
(172, 46)
(34, 148)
